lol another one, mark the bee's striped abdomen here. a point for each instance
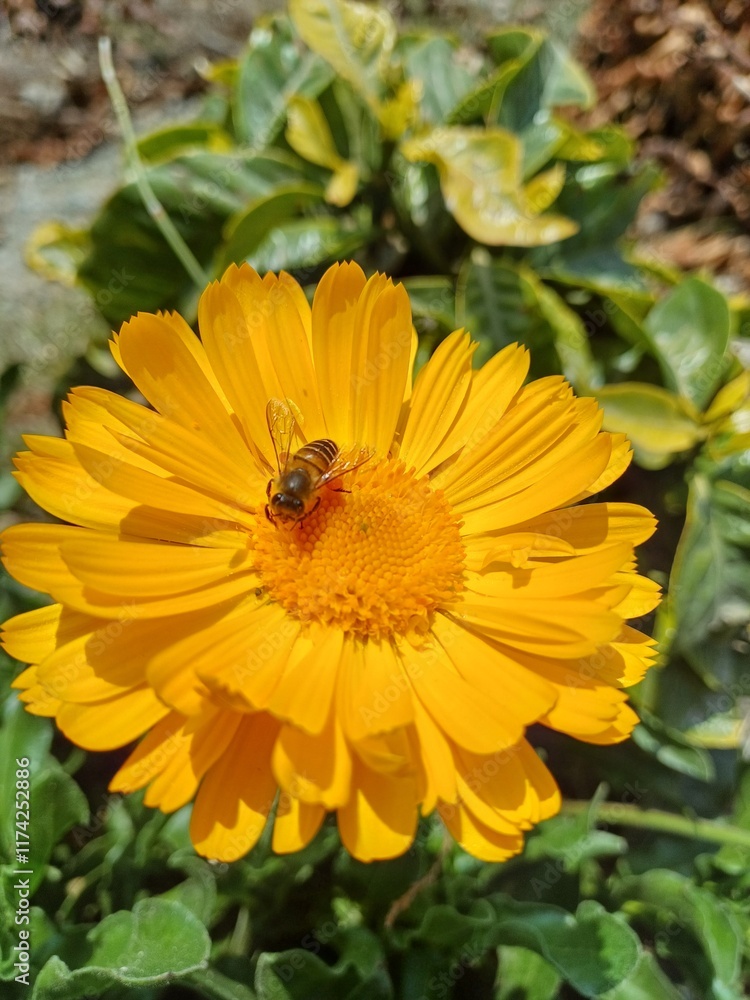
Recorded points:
(321, 454)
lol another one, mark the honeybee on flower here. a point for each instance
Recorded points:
(395, 639)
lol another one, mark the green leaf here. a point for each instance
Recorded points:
(502, 303)
(656, 421)
(548, 77)
(570, 841)
(55, 251)
(308, 243)
(272, 72)
(645, 982)
(517, 97)
(593, 951)
(570, 337)
(159, 942)
(524, 975)
(356, 39)
(431, 61)
(245, 232)
(130, 267)
(309, 134)
(541, 140)
(481, 180)
(689, 329)
(166, 143)
(732, 505)
(445, 928)
(696, 910)
(476, 104)
(422, 213)
(215, 986)
(566, 81)
(603, 201)
(672, 750)
(708, 590)
(300, 975)
(433, 296)
(499, 307)
(29, 736)
(57, 805)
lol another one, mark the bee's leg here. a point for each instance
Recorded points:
(310, 511)
(337, 489)
(270, 517)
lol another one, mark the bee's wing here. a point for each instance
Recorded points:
(346, 461)
(280, 420)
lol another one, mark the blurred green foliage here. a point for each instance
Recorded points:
(453, 168)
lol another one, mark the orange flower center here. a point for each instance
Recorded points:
(374, 561)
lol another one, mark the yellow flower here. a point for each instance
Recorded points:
(379, 658)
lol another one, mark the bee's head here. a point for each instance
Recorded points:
(287, 507)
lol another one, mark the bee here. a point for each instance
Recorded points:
(295, 491)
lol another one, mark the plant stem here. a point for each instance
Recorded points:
(625, 814)
(153, 206)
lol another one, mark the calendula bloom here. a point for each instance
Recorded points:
(383, 655)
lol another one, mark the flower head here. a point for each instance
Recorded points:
(384, 653)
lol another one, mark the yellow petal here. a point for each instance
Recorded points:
(619, 459)
(89, 421)
(172, 738)
(528, 428)
(643, 596)
(476, 838)
(466, 715)
(556, 488)
(118, 474)
(256, 336)
(333, 337)
(207, 738)
(437, 760)
(97, 665)
(540, 433)
(620, 729)
(524, 696)
(380, 819)
(240, 658)
(314, 769)
(108, 724)
(237, 793)
(491, 392)
(374, 695)
(439, 393)
(218, 639)
(566, 627)
(35, 699)
(554, 579)
(304, 692)
(193, 457)
(594, 525)
(295, 824)
(380, 361)
(36, 634)
(31, 554)
(166, 371)
(514, 547)
(148, 569)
